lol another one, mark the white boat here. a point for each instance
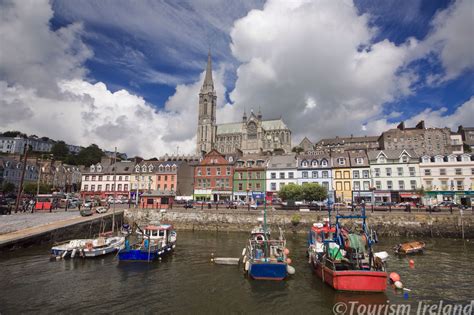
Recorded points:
(88, 247)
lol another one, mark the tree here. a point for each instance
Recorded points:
(291, 192)
(30, 188)
(13, 134)
(8, 188)
(467, 148)
(90, 155)
(297, 149)
(60, 150)
(314, 191)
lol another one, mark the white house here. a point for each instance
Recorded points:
(281, 170)
(448, 178)
(395, 175)
(314, 168)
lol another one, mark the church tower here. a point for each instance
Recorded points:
(206, 132)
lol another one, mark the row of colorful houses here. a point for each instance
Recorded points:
(351, 176)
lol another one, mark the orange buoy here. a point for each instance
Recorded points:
(286, 251)
(411, 263)
(394, 277)
(288, 261)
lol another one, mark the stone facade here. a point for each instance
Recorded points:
(251, 136)
(429, 141)
(347, 143)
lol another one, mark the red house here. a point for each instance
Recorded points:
(213, 177)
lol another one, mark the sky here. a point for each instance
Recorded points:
(127, 74)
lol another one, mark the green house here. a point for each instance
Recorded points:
(249, 179)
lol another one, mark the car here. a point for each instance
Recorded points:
(86, 212)
(101, 209)
(189, 205)
(231, 205)
(448, 204)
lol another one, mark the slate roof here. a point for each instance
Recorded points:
(282, 161)
(391, 154)
(274, 124)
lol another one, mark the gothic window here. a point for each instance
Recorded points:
(205, 107)
(252, 131)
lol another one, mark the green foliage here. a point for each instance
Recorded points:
(30, 188)
(290, 192)
(8, 188)
(14, 134)
(90, 155)
(467, 148)
(60, 150)
(297, 149)
(314, 192)
(295, 219)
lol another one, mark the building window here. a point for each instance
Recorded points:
(125, 187)
(315, 174)
(347, 174)
(388, 171)
(282, 175)
(282, 185)
(227, 171)
(389, 185)
(305, 174)
(459, 185)
(444, 185)
(99, 187)
(429, 184)
(427, 172)
(401, 185)
(472, 171)
(338, 174)
(377, 172)
(107, 187)
(341, 161)
(258, 175)
(273, 186)
(119, 187)
(442, 171)
(304, 164)
(355, 174)
(326, 185)
(324, 163)
(412, 171)
(338, 186)
(365, 174)
(86, 187)
(273, 175)
(325, 174)
(92, 187)
(347, 185)
(366, 185)
(356, 185)
(257, 186)
(359, 161)
(458, 171)
(400, 171)
(404, 159)
(199, 173)
(208, 171)
(290, 175)
(413, 184)
(218, 171)
(378, 184)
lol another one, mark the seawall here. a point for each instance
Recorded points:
(385, 223)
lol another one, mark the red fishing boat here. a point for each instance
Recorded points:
(344, 259)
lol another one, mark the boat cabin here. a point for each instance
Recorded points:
(158, 232)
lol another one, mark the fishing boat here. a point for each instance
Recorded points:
(87, 248)
(408, 248)
(157, 241)
(265, 258)
(345, 259)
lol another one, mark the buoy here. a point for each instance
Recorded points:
(398, 285)
(411, 263)
(290, 269)
(288, 261)
(394, 277)
(286, 251)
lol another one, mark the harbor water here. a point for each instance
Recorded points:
(188, 283)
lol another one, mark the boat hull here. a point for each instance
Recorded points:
(353, 280)
(268, 270)
(143, 254)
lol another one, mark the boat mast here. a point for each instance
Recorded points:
(115, 189)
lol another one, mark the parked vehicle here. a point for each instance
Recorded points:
(231, 205)
(189, 205)
(86, 212)
(101, 209)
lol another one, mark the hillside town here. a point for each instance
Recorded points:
(250, 161)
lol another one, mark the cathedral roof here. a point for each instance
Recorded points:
(275, 124)
(208, 85)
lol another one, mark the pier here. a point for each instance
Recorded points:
(25, 230)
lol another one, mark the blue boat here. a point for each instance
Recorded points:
(265, 258)
(157, 241)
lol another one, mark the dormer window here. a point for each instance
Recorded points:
(161, 168)
(92, 168)
(137, 169)
(404, 159)
(452, 158)
(359, 161)
(324, 163)
(99, 168)
(150, 168)
(314, 163)
(426, 159)
(144, 168)
(231, 159)
(167, 168)
(381, 159)
(341, 161)
(465, 158)
(439, 159)
(173, 168)
(304, 163)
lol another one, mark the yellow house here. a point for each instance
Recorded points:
(342, 179)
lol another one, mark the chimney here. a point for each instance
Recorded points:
(401, 126)
(420, 125)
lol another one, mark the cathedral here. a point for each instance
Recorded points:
(253, 135)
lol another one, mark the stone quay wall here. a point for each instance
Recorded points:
(384, 223)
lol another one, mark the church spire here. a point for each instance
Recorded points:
(208, 85)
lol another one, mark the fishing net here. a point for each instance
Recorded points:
(356, 242)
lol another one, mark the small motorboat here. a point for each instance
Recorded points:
(87, 248)
(410, 248)
(265, 258)
(156, 242)
(126, 229)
